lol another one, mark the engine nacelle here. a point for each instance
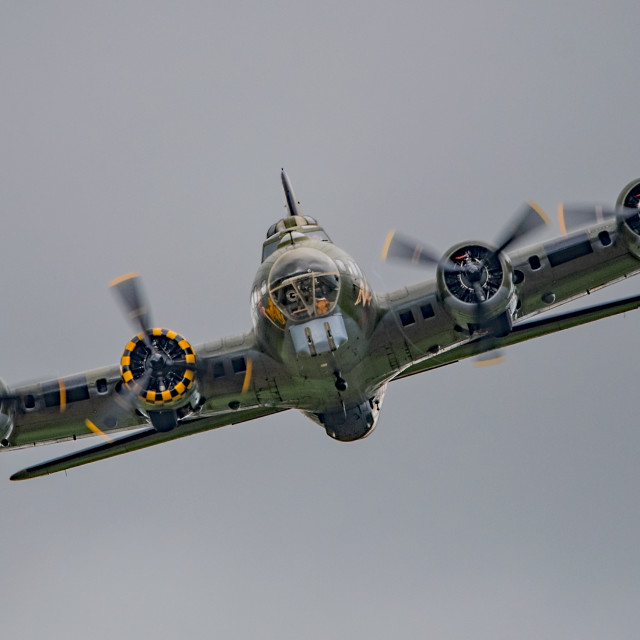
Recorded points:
(6, 417)
(160, 368)
(6, 427)
(628, 204)
(473, 277)
(630, 196)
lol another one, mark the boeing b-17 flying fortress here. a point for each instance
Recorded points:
(322, 341)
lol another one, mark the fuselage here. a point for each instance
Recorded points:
(314, 312)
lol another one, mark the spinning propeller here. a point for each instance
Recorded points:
(626, 210)
(129, 293)
(472, 273)
(399, 247)
(158, 366)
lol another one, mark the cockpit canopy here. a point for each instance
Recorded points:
(290, 230)
(304, 284)
(289, 222)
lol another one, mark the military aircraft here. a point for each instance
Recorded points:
(322, 341)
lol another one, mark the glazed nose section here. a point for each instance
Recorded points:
(318, 336)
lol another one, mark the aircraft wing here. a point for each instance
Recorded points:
(526, 331)
(140, 440)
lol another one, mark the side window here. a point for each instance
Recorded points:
(239, 365)
(427, 311)
(406, 317)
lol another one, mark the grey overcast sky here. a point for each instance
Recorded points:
(148, 136)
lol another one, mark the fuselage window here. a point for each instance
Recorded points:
(567, 249)
(534, 262)
(406, 317)
(76, 389)
(77, 393)
(52, 399)
(427, 311)
(316, 235)
(605, 238)
(51, 393)
(268, 249)
(239, 365)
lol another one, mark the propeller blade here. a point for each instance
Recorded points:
(489, 358)
(529, 218)
(404, 249)
(400, 247)
(574, 216)
(480, 297)
(488, 354)
(9, 398)
(129, 292)
(119, 403)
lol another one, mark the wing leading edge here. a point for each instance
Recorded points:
(141, 440)
(527, 331)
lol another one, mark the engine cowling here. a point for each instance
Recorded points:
(6, 415)
(160, 368)
(475, 284)
(6, 427)
(630, 196)
(628, 204)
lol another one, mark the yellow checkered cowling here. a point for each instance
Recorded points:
(176, 390)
